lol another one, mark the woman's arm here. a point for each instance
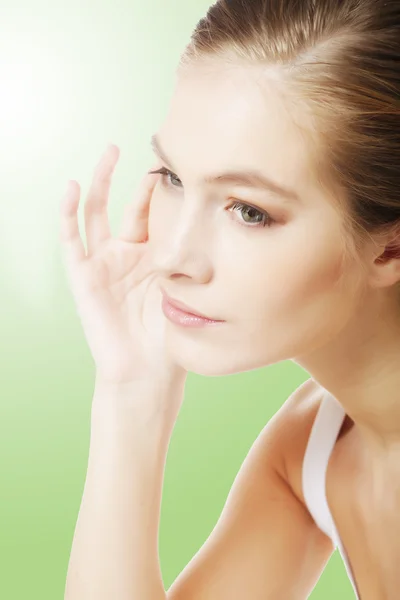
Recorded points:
(265, 544)
(115, 547)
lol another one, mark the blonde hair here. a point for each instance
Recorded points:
(339, 60)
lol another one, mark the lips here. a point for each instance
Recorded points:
(186, 308)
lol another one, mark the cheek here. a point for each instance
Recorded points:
(289, 281)
(317, 277)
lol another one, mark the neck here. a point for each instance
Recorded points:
(361, 368)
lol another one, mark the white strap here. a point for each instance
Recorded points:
(324, 433)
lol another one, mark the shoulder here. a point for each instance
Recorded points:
(294, 422)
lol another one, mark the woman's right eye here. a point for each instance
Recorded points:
(165, 174)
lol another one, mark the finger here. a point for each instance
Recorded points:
(143, 270)
(134, 226)
(71, 241)
(96, 217)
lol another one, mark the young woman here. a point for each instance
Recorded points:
(275, 215)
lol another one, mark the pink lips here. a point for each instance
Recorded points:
(180, 313)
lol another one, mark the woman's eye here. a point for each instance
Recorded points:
(263, 219)
(165, 174)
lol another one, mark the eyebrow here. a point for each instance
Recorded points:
(252, 178)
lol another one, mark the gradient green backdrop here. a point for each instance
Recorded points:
(74, 76)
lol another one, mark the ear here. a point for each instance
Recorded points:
(386, 267)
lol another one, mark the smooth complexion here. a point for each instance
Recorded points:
(284, 290)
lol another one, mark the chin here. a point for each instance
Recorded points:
(217, 358)
(220, 367)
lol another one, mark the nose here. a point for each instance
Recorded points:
(183, 253)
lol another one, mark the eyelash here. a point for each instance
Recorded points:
(165, 173)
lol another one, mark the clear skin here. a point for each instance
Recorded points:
(284, 291)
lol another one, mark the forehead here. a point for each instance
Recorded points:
(222, 117)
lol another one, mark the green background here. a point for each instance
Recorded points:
(75, 76)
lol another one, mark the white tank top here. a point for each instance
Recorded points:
(324, 432)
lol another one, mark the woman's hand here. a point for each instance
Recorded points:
(114, 283)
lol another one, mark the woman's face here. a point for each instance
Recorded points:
(276, 287)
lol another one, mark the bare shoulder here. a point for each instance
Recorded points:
(296, 418)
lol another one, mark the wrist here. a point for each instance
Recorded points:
(140, 402)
